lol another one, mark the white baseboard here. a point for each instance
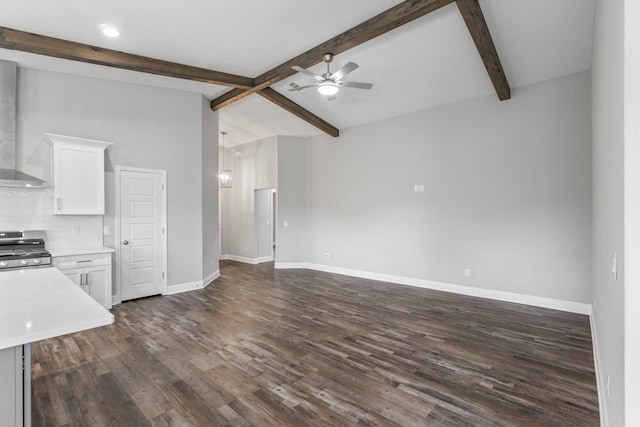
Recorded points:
(184, 287)
(569, 306)
(285, 265)
(600, 381)
(210, 278)
(246, 260)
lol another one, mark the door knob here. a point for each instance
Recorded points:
(125, 242)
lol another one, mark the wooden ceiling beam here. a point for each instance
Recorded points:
(49, 46)
(287, 104)
(474, 18)
(386, 21)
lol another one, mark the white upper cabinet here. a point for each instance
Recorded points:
(78, 175)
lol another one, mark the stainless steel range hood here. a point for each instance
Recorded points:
(9, 176)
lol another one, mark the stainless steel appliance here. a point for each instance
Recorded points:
(23, 249)
(9, 175)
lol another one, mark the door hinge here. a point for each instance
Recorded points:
(163, 230)
(162, 187)
(163, 274)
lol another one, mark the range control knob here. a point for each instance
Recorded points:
(3, 264)
(24, 262)
(36, 261)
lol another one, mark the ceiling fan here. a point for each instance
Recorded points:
(329, 84)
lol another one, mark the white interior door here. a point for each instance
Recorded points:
(141, 233)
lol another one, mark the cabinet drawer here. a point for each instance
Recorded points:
(81, 261)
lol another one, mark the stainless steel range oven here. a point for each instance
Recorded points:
(23, 249)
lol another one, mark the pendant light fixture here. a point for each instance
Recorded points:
(224, 175)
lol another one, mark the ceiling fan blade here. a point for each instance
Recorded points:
(346, 69)
(307, 72)
(357, 85)
(299, 88)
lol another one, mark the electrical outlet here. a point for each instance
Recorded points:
(245, 249)
(211, 262)
(467, 272)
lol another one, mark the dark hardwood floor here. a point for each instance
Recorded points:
(268, 347)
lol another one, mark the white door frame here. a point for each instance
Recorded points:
(163, 175)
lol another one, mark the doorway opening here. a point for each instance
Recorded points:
(265, 224)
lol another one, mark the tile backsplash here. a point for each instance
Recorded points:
(31, 209)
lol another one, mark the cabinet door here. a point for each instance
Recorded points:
(98, 284)
(78, 180)
(75, 274)
(11, 391)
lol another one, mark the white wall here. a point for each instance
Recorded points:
(150, 128)
(507, 194)
(608, 203)
(253, 167)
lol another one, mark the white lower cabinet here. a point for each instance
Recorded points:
(15, 387)
(92, 272)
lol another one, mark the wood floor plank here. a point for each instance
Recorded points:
(265, 347)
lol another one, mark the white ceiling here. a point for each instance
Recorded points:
(428, 62)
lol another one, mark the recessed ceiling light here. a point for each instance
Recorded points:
(109, 30)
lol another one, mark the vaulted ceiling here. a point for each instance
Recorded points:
(429, 61)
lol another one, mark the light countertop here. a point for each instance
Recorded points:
(80, 251)
(41, 303)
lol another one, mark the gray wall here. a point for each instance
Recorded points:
(292, 239)
(616, 206)
(608, 201)
(210, 232)
(507, 193)
(149, 127)
(632, 210)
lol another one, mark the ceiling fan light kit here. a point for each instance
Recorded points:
(328, 88)
(329, 84)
